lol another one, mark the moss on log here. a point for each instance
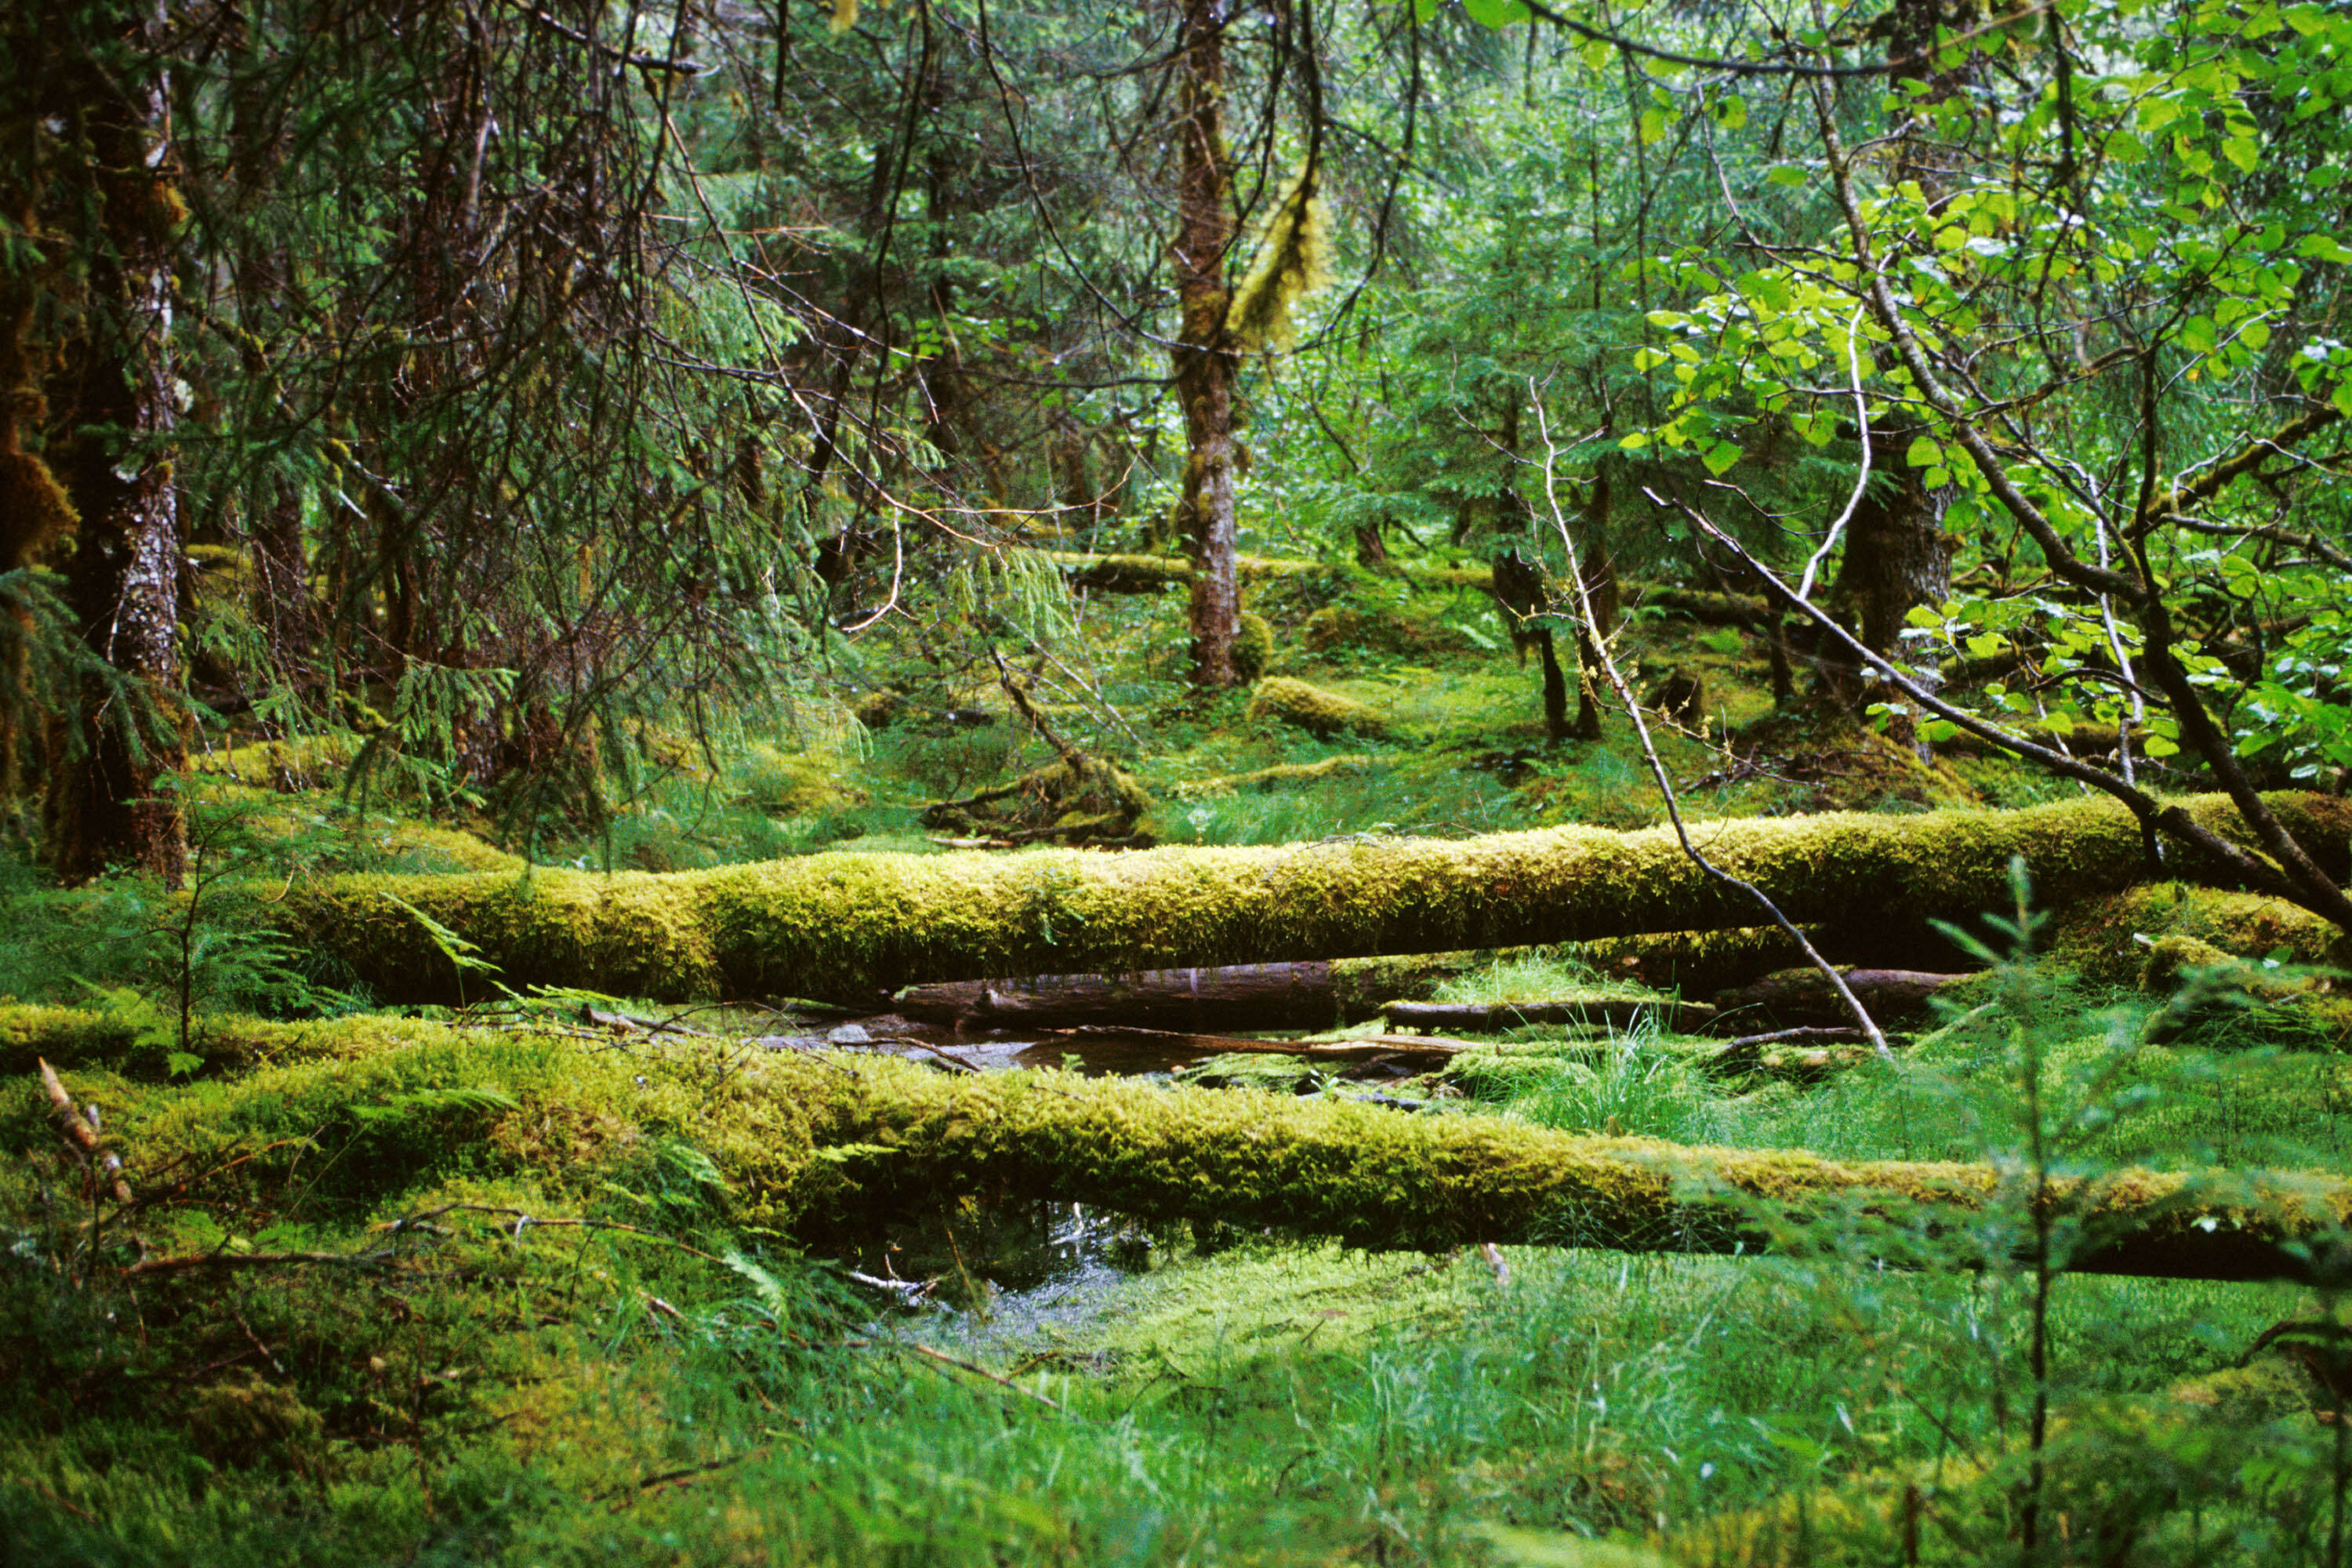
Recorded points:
(853, 927)
(1316, 711)
(823, 1144)
(2102, 937)
(1280, 774)
(1378, 1180)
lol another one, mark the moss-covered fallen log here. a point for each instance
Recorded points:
(853, 927)
(1317, 711)
(1374, 1179)
(1280, 775)
(820, 1145)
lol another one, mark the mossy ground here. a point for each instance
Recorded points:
(507, 1284)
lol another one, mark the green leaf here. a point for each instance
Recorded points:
(1721, 456)
(1787, 174)
(1496, 12)
(1653, 126)
(1731, 114)
(1924, 454)
(2158, 746)
(1636, 441)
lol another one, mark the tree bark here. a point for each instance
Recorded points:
(109, 801)
(1206, 361)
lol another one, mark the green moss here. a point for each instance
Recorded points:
(304, 763)
(1703, 605)
(1356, 629)
(821, 1144)
(1279, 775)
(1078, 799)
(1253, 649)
(1316, 711)
(783, 783)
(850, 926)
(2102, 936)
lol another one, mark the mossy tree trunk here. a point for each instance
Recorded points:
(105, 804)
(1205, 360)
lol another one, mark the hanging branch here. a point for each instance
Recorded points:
(1658, 769)
(2290, 873)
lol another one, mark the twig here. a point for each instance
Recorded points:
(78, 1130)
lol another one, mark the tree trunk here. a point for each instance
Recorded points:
(1205, 362)
(1897, 556)
(109, 800)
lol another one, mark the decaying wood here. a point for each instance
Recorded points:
(1614, 1012)
(1240, 996)
(1803, 1054)
(1796, 995)
(1312, 994)
(80, 1129)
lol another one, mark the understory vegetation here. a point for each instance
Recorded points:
(1211, 784)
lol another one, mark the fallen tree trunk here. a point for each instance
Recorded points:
(824, 1144)
(1313, 994)
(1240, 996)
(1317, 711)
(1377, 1180)
(1793, 996)
(853, 927)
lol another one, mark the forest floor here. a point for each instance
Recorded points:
(509, 1283)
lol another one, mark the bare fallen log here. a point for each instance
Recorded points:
(1793, 996)
(1313, 994)
(852, 927)
(1241, 996)
(1488, 1017)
